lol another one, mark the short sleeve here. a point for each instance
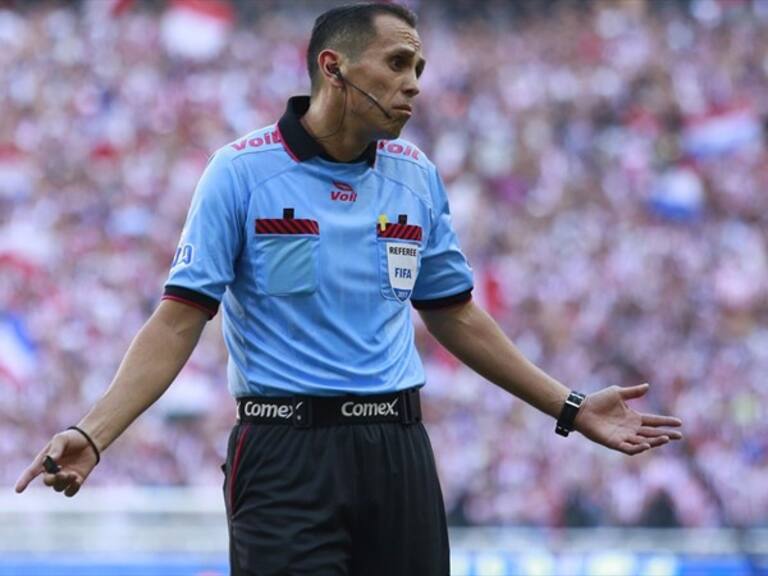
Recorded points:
(204, 264)
(445, 277)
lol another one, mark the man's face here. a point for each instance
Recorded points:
(388, 69)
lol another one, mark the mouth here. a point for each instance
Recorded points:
(405, 109)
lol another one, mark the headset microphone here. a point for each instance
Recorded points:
(370, 97)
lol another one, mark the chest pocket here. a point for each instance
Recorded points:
(399, 247)
(287, 252)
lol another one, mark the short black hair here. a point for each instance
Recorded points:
(349, 29)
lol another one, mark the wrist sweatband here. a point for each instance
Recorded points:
(90, 441)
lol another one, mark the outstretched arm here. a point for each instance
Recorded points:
(155, 357)
(473, 337)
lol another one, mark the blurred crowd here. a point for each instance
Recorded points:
(607, 167)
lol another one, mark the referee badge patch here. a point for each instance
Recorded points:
(402, 265)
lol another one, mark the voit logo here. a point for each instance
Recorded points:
(343, 192)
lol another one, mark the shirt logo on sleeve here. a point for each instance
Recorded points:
(402, 265)
(184, 255)
(395, 148)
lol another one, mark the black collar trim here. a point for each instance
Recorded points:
(301, 145)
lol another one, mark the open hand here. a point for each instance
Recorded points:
(75, 457)
(605, 418)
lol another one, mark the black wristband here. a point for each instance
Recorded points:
(91, 442)
(568, 413)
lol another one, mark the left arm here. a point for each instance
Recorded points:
(470, 334)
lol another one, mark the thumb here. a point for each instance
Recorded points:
(638, 391)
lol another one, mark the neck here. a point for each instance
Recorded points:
(328, 120)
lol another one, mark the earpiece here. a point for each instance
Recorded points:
(334, 69)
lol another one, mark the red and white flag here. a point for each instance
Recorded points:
(197, 29)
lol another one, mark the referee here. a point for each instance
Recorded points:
(313, 237)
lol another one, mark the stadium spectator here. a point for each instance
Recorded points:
(606, 165)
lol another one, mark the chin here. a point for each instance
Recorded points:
(390, 132)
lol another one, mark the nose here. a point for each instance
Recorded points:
(411, 87)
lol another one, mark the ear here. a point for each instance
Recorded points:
(329, 65)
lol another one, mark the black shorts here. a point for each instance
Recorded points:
(348, 499)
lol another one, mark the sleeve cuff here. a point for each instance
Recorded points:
(444, 302)
(192, 298)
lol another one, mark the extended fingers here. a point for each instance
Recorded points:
(652, 442)
(632, 449)
(639, 443)
(54, 449)
(32, 471)
(650, 432)
(659, 420)
(27, 476)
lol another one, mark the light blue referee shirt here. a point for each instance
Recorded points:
(315, 262)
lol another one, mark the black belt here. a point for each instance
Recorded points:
(314, 411)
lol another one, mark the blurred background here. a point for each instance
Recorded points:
(607, 167)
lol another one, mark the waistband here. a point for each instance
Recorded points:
(316, 411)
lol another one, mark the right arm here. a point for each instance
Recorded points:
(211, 241)
(155, 357)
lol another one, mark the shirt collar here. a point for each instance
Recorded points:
(301, 144)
